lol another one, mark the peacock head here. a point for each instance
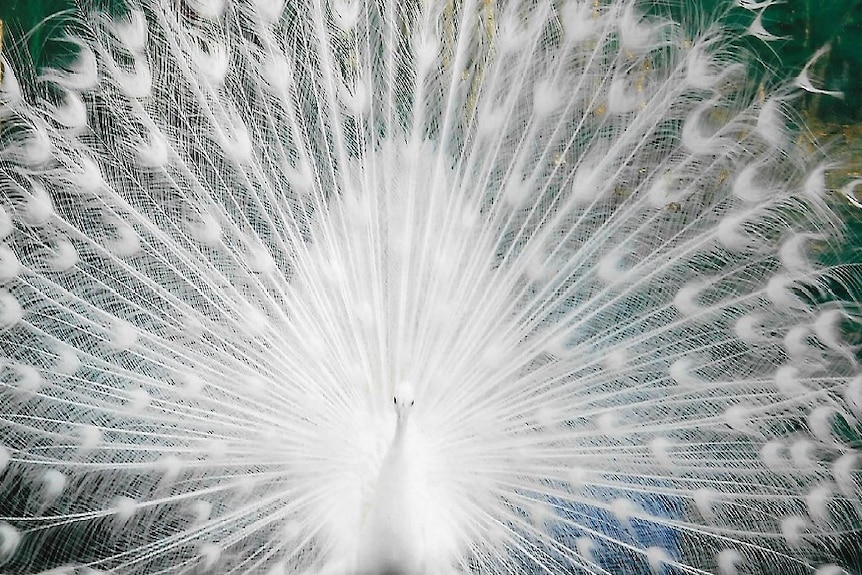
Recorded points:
(403, 398)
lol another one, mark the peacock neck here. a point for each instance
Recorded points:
(400, 432)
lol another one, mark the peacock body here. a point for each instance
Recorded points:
(232, 231)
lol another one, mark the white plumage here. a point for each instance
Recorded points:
(392, 540)
(232, 230)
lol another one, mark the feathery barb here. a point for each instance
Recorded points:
(233, 233)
